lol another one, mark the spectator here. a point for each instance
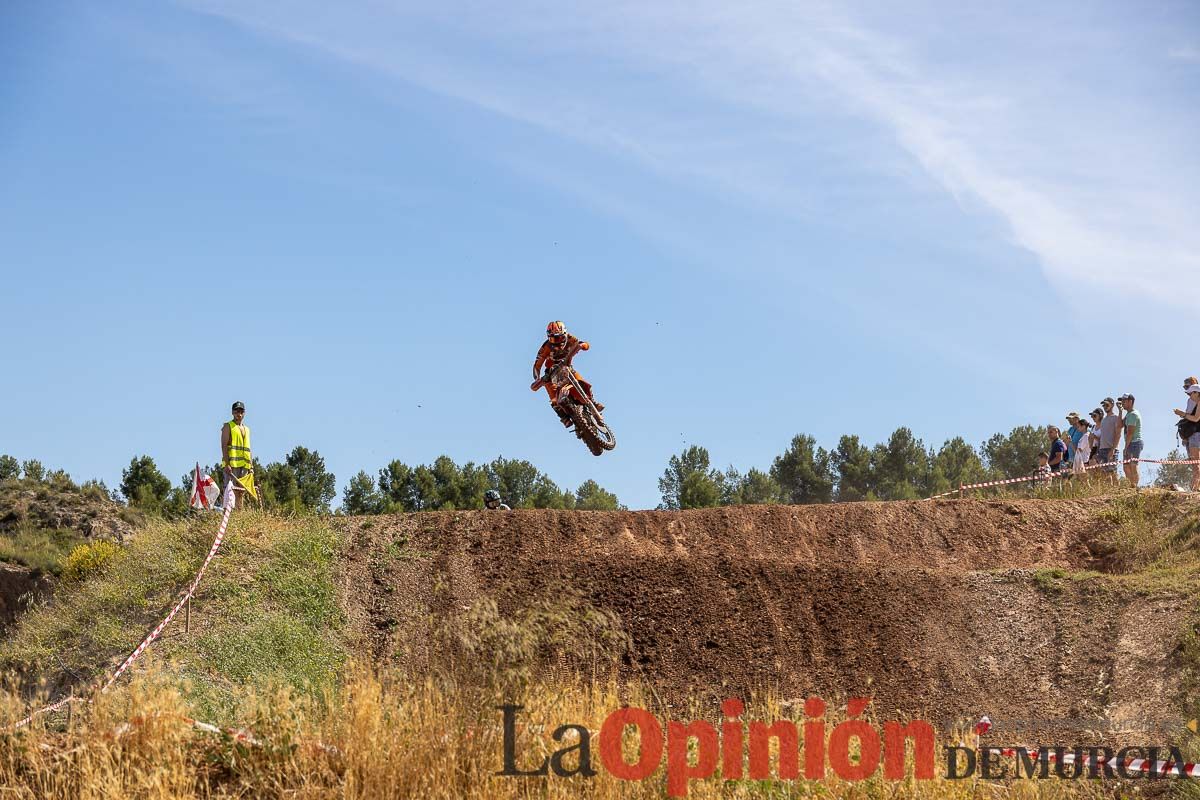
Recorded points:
(1073, 436)
(1043, 473)
(1110, 435)
(1097, 417)
(1083, 451)
(1131, 423)
(1192, 414)
(1058, 449)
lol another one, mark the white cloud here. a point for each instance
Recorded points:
(1093, 179)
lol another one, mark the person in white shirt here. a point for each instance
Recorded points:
(1083, 450)
(1097, 415)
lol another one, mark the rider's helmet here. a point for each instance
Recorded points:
(491, 496)
(556, 333)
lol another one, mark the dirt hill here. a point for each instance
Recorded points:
(1024, 609)
(40, 522)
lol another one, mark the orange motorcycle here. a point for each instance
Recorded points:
(571, 398)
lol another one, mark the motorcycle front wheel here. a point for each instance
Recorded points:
(598, 436)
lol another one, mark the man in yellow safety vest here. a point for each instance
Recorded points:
(236, 459)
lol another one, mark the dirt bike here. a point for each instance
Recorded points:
(590, 427)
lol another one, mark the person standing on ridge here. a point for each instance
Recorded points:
(1083, 449)
(1192, 414)
(1073, 436)
(236, 459)
(1058, 449)
(1110, 437)
(560, 347)
(1132, 425)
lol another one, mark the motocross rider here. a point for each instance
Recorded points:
(491, 501)
(558, 348)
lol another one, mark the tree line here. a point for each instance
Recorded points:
(447, 486)
(301, 483)
(902, 468)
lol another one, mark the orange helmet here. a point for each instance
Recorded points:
(556, 332)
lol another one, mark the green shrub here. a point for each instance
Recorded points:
(42, 549)
(89, 559)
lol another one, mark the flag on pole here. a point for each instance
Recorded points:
(247, 482)
(204, 490)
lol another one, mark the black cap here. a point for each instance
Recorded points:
(239, 406)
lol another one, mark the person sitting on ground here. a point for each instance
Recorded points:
(1042, 473)
(1110, 435)
(1073, 436)
(1058, 448)
(1131, 423)
(1083, 451)
(1192, 414)
(491, 501)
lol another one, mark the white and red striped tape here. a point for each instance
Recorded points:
(154, 634)
(1060, 474)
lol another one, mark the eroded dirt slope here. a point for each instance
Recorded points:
(947, 609)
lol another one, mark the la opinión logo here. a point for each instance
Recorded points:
(735, 747)
(852, 750)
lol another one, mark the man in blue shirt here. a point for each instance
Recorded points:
(1058, 449)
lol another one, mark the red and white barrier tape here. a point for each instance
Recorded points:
(239, 735)
(154, 634)
(1060, 474)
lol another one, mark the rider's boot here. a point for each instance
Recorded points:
(564, 417)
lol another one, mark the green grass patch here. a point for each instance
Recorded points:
(1049, 580)
(86, 624)
(1146, 536)
(265, 615)
(41, 549)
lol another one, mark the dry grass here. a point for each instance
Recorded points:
(383, 738)
(265, 655)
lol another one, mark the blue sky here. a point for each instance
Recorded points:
(767, 217)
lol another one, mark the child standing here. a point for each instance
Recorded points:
(1043, 473)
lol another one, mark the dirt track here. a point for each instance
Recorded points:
(943, 609)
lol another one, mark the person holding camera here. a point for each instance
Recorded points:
(1097, 417)
(1189, 427)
